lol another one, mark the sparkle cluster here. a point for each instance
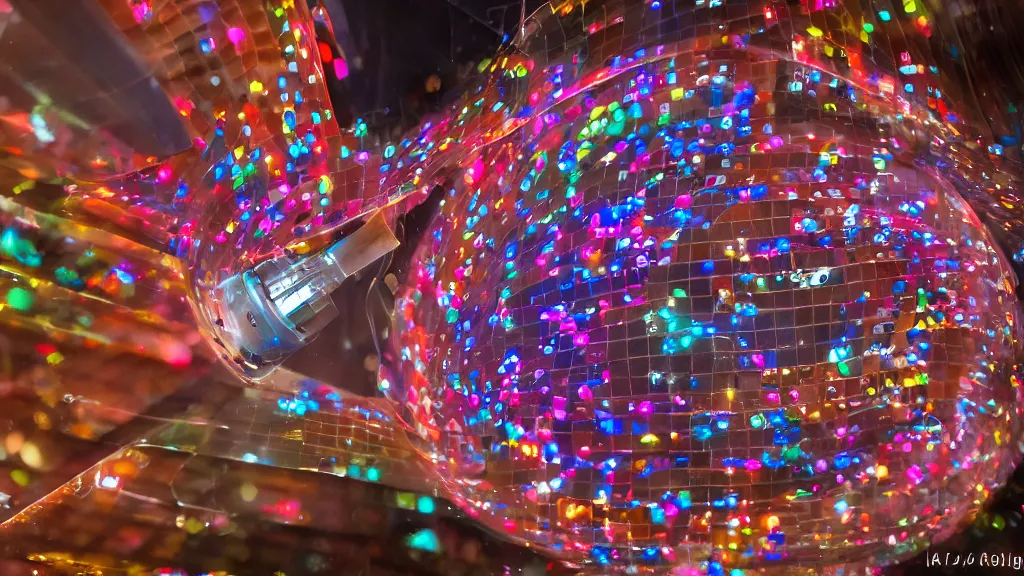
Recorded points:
(718, 301)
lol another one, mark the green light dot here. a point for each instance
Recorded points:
(20, 299)
(405, 500)
(844, 369)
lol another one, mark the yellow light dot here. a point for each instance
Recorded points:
(248, 492)
(31, 455)
(43, 420)
(20, 477)
(882, 471)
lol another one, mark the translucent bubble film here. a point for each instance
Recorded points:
(687, 287)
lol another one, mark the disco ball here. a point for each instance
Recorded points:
(709, 295)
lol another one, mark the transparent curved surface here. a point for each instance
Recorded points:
(719, 299)
(714, 286)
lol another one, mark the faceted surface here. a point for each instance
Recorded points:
(718, 296)
(714, 288)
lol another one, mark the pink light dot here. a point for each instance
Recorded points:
(585, 394)
(340, 68)
(236, 36)
(141, 12)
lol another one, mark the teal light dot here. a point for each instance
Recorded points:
(373, 474)
(425, 540)
(425, 505)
